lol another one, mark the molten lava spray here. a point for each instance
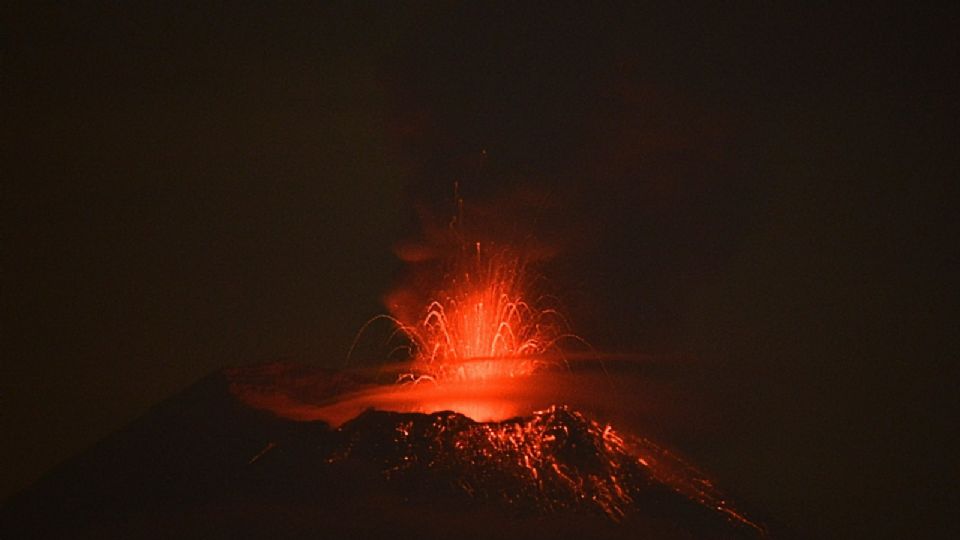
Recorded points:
(483, 317)
(481, 326)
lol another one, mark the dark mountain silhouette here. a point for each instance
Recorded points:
(203, 464)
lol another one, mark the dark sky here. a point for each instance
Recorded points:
(764, 189)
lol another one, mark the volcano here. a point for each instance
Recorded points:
(277, 451)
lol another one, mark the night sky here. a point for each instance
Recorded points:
(763, 190)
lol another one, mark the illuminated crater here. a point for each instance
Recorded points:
(425, 438)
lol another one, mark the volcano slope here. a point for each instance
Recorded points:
(204, 463)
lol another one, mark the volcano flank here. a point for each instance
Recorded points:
(208, 463)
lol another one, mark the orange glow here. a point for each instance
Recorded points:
(492, 399)
(480, 325)
(306, 398)
(471, 308)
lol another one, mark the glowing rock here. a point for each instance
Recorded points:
(555, 460)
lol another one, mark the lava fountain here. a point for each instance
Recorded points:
(481, 326)
(473, 340)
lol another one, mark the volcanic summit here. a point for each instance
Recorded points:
(208, 463)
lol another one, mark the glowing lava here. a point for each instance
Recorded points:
(542, 444)
(556, 459)
(479, 326)
(469, 325)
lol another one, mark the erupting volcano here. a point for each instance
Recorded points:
(492, 398)
(482, 407)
